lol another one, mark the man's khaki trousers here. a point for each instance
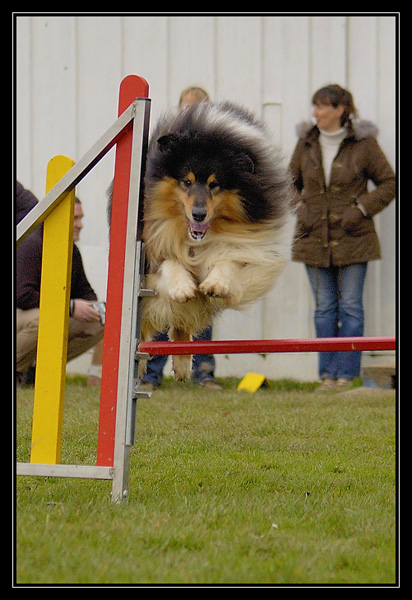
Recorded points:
(82, 336)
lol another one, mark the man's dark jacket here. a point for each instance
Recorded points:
(28, 261)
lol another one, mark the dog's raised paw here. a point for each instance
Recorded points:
(214, 288)
(182, 291)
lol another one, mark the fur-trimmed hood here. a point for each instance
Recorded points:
(359, 129)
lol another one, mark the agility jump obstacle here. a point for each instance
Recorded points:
(119, 388)
(118, 391)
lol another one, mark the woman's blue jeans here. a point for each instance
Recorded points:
(339, 312)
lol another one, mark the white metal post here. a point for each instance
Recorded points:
(129, 328)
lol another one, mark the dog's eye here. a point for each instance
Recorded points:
(187, 182)
(213, 185)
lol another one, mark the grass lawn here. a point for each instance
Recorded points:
(285, 486)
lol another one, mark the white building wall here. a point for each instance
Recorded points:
(68, 72)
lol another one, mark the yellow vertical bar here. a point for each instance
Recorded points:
(53, 321)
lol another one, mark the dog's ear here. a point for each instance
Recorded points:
(166, 141)
(246, 163)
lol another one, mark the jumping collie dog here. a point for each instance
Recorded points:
(216, 202)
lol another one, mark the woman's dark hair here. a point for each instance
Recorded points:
(337, 96)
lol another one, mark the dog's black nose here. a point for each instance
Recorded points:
(199, 214)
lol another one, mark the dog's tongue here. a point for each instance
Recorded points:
(199, 227)
(197, 231)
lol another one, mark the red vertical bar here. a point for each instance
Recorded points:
(131, 87)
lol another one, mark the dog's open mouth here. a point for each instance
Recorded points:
(197, 231)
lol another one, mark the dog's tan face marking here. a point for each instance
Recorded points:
(186, 183)
(213, 184)
(199, 200)
(174, 198)
(193, 188)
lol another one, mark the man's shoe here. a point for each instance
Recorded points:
(343, 384)
(327, 385)
(147, 386)
(27, 379)
(210, 384)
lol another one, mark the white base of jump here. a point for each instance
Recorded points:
(77, 471)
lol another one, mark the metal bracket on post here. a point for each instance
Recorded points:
(133, 392)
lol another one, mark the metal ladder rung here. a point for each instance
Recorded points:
(145, 395)
(142, 356)
(147, 293)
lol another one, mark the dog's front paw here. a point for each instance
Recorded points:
(182, 290)
(215, 288)
(219, 286)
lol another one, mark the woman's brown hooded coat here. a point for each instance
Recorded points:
(331, 229)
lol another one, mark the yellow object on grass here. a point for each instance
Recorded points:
(251, 382)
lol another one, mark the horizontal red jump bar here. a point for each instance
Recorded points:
(347, 344)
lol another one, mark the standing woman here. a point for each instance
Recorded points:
(335, 236)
